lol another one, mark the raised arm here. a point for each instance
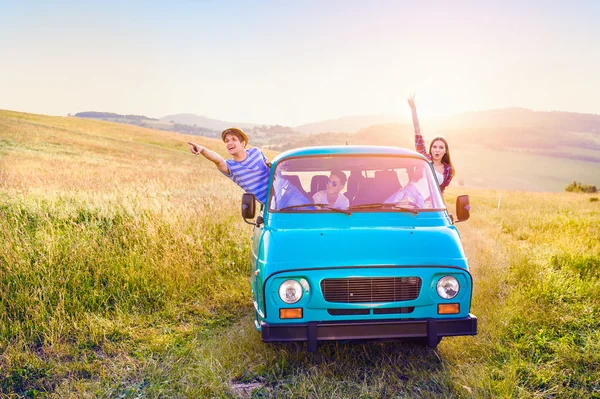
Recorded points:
(212, 156)
(419, 141)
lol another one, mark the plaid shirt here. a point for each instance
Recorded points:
(420, 146)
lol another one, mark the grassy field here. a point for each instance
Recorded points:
(124, 274)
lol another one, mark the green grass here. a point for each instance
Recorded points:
(124, 274)
(81, 280)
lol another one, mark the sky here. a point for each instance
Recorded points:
(292, 62)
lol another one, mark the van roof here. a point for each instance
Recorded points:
(347, 150)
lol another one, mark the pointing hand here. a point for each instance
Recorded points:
(196, 149)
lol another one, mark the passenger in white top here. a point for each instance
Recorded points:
(332, 196)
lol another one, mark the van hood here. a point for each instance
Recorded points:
(322, 247)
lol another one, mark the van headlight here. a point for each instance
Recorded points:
(290, 291)
(447, 287)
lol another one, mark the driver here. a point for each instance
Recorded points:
(286, 194)
(409, 194)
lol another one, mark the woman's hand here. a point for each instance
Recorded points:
(196, 149)
(411, 100)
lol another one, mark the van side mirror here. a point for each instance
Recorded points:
(248, 207)
(463, 208)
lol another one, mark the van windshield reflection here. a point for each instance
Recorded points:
(355, 184)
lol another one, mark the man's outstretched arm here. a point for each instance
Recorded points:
(212, 156)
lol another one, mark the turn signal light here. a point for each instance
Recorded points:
(294, 313)
(448, 308)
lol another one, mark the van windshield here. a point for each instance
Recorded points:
(370, 183)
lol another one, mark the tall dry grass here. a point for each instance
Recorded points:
(123, 273)
(112, 237)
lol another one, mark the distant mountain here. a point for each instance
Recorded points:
(112, 116)
(563, 135)
(523, 118)
(497, 118)
(566, 135)
(512, 149)
(348, 124)
(203, 121)
(152, 123)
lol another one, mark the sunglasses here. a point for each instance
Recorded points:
(333, 183)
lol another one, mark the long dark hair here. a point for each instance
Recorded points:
(446, 157)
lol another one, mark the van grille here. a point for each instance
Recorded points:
(370, 290)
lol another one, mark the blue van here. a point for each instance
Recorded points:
(356, 243)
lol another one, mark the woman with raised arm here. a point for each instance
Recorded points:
(439, 153)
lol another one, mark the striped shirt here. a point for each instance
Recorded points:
(251, 174)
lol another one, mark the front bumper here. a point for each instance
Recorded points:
(312, 332)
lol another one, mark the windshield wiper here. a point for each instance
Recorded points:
(404, 209)
(367, 206)
(314, 205)
(393, 206)
(326, 206)
(285, 208)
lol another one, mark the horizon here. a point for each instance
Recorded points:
(400, 118)
(300, 62)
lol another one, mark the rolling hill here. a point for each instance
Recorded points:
(495, 118)
(348, 124)
(542, 152)
(200, 120)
